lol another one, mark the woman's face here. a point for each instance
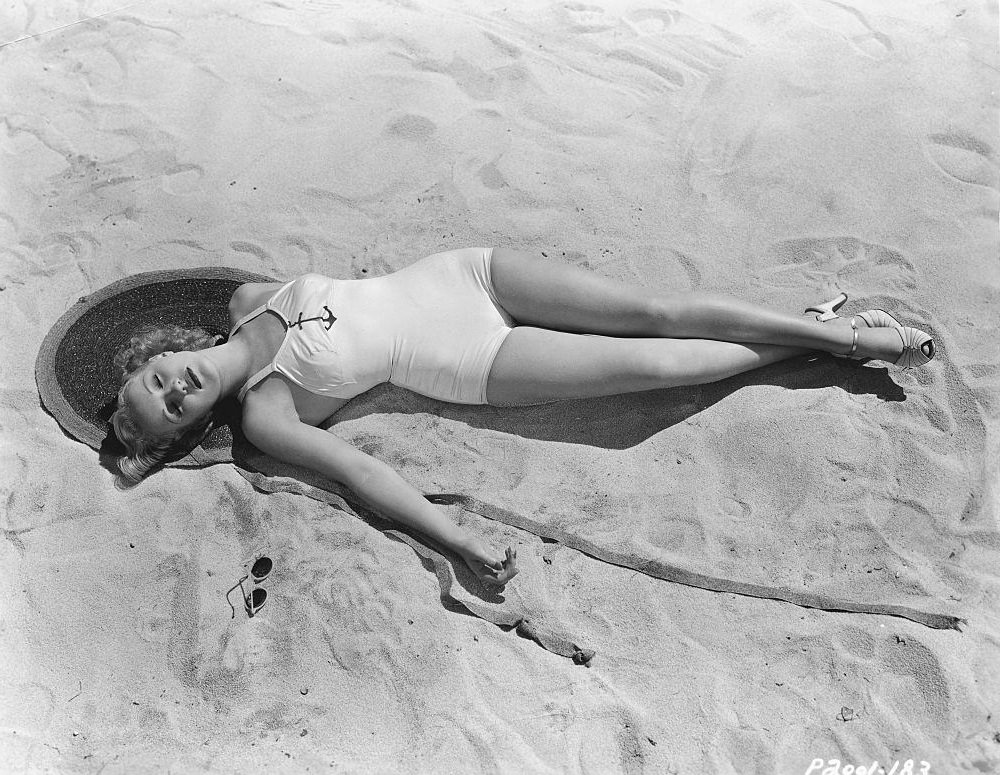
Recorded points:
(172, 392)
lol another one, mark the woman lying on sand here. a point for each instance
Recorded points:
(472, 326)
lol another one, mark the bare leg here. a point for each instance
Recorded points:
(561, 297)
(536, 365)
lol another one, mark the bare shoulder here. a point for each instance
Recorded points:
(269, 415)
(247, 297)
(269, 401)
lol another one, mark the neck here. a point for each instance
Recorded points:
(234, 362)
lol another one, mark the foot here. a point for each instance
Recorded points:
(909, 347)
(881, 344)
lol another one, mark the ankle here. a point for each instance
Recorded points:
(843, 336)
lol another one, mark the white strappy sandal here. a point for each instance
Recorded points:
(918, 347)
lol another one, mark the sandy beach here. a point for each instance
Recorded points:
(777, 150)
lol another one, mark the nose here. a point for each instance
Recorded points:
(178, 386)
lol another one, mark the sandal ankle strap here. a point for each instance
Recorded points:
(854, 344)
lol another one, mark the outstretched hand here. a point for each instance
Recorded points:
(489, 568)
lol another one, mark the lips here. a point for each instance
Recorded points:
(194, 378)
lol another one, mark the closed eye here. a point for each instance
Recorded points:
(157, 381)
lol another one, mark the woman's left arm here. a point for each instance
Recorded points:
(393, 496)
(271, 423)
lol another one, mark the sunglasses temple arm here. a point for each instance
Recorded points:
(240, 585)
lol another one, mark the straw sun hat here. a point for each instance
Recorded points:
(75, 372)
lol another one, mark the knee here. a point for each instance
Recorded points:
(670, 313)
(662, 313)
(683, 315)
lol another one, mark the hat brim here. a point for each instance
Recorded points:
(75, 372)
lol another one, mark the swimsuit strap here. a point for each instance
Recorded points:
(247, 318)
(254, 380)
(266, 307)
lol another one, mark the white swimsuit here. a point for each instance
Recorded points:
(433, 327)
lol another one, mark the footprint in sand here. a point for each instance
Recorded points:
(923, 690)
(504, 46)
(248, 247)
(707, 44)
(653, 21)
(842, 262)
(411, 127)
(674, 268)
(181, 179)
(297, 242)
(59, 249)
(675, 45)
(671, 75)
(850, 24)
(677, 535)
(668, 43)
(910, 681)
(491, 177)
(583, 18)
(964, 157)
(615, 737)
(479, 84)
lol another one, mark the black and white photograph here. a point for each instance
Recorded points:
(583, 387)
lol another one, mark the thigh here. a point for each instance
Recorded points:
(549, 294)
(537, 365)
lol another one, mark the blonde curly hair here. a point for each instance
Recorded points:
(144, 452)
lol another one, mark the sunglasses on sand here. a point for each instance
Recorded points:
(255, 600)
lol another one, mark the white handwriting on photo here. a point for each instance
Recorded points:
(835, 767)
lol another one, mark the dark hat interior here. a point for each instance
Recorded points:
(75, 372)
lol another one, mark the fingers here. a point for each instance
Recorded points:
(492, 572)
(510, 563)
(510, 557)
(507, 570)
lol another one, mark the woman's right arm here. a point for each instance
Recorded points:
(271, 424)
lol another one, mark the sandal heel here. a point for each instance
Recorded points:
(828, 311)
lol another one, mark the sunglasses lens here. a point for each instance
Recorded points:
(255, 600)
(262, 567)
